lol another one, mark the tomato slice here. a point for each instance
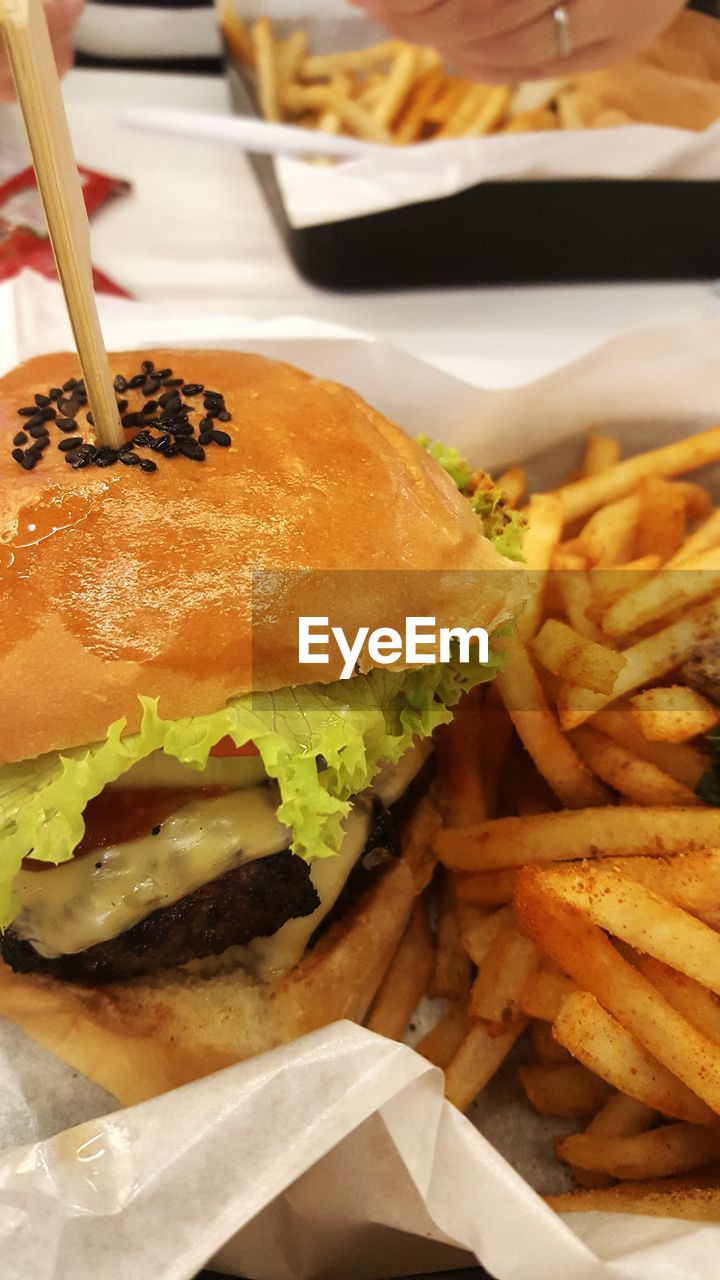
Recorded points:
(226, 747)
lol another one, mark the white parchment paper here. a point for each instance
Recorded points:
(408, 175)
(335, 1156)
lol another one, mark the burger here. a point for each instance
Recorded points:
(206, 848)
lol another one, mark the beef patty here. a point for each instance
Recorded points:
(252, 901)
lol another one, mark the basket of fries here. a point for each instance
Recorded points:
(553, 180)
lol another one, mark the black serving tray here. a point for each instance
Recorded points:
(507, 232)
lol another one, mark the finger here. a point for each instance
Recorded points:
(438, 22)
(62, 16)
(538, 44)
(597, 55)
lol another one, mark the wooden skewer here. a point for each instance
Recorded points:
(38, 89)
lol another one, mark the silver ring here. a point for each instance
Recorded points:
(561, 27)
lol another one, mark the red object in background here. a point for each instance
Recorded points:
(23, 235)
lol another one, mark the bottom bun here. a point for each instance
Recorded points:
(142, 1037)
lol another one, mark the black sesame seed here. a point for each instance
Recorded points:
(42, 402)
(122, 405)
(156, 831)
(55, 393)
(222, 438)
(81, 386)
(205, 437)
(90, 419)
(29, 411)
(214, 395)
(224, 416)
(192, 389)
(45, 415)
(213, 410)
(173, 382)
(151, 387)
(163, 373)
(29, 461)
(66, 424)
(38, 431)
(20, 438)
(189, 448)
(130, 459)
(150, 407)
(70, 385)
(143, 439)
(147, 366)
(168, 398)
(126, 448)
(39, 445)
(68, 405)
(161, 443)
(18, 455)
(206, 424)
(172, 450)
(147, 464)
(120, 384)
(137, 381)
(182, 429)
(72, 442)
(106, 457)
(131, 420)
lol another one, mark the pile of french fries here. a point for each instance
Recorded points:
(397, 93)
(580, 902)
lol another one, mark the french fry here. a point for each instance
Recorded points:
(444, 1039)
(579, 660)
(690, 998)
(476, 1061)
(608, 832)
(609, 584)
(406, 979)
(690, 880)
(513, 483)
(673, 714)
(546, 1050)
(647, 660)
(450, 976)
(684, 763)
(325, 98)
(707, 536)
(621, 1117)
(542, 536)
(586, 495)
(322, 66)
(651, 1199)
(563, 1089)
(597, 1040)
(659, 1153)
(591, 959)
(486, 888)
(544, 994)
(635, 778)
(522, 693)
(477, 938)
(460, 747)
(491, 113)
(264, 61)
(609, 537)
(576, 592)
(661, 519)
(398, 84)
(236, 33)
(665, 593)
(290, 53)
(537, 121)
(502, 974)
(466, 109)
(601, 453)
(414, 114)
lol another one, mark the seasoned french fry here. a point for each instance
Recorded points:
(546, 1050)
(513, 483)
(460, 747)
(592, 960)
(522, 693)
(544, 994)
(575, 589)
(450, 976)
(626, 831)
(621, 1117)
(579, 660)
(665, 593)
(597, 1040)
(690, 880)
(661, 519)
(609, 584)
(502, 974)
(542, 536)
(651, 1199)
(583, 496)
(684, 763)
(631, 775)
(478, 937)
(601, 453)
(690, 998)
(563, 1089)
(659, 1153)
(708, 535)
(406, 979)
(476, 1061)
(674, 714)
(486, 888)
(647, 660)
(609, 537)
(443, 1041)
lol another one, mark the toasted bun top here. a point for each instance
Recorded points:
(115, 582)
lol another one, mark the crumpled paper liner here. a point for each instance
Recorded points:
(335, 1156)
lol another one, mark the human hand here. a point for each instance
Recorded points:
(62, 15)
(501, 41)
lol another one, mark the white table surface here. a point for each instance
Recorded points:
(196, 228)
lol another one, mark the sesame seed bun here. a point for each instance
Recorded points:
(116, 583)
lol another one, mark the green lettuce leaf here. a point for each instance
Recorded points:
(323, 744)
(708, 788)
(502, 524)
